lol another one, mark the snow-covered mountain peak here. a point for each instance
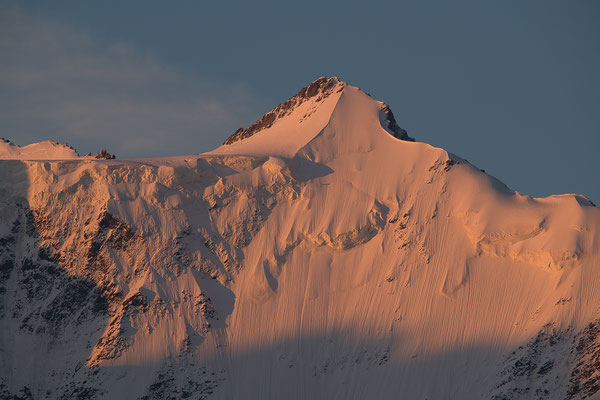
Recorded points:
(46, 150)
(315, 92)
(321, 257)
(309, 114)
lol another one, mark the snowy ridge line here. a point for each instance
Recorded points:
(46, 150)
(319, 89)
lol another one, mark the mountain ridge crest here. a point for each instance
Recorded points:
(320, 88)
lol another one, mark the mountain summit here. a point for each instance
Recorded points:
(320, 254)
(316, 92)
(291, 125)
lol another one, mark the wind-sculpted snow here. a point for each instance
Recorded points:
(341, 263)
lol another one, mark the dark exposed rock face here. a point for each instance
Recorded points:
(321, 88)
(392, 125)
(48, 298)
(40, 299)
(537, 369)
(103, 154)
(584, 381)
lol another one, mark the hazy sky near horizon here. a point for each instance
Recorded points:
(512, 86)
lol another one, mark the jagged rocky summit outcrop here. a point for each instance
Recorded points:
(105, 155)
(320, 257)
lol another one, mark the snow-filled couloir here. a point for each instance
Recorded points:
(319, 253)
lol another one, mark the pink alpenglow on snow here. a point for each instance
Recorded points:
(319, 253)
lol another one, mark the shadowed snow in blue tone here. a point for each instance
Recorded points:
(511, 86)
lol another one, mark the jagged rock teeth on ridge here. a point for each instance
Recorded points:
(322, 86)
(103, 154)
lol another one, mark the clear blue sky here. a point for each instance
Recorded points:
(513, 86)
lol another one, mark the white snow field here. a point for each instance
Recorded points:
(315, 256)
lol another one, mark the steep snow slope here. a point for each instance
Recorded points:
(313, 256)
